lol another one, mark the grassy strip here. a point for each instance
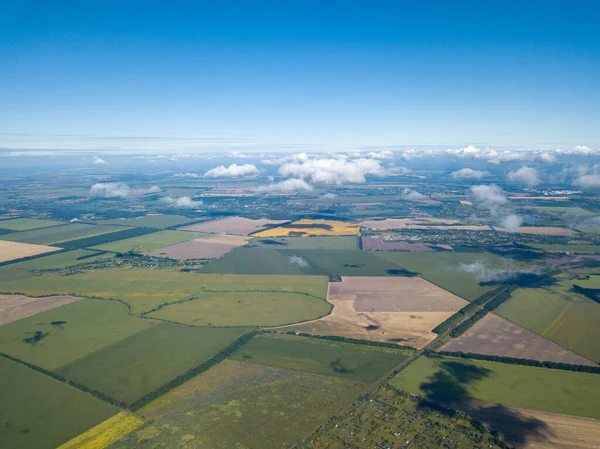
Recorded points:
(77, 385)
(105, 238)
(179, 380)
(515, 361)
(466, 325)
(357, 341)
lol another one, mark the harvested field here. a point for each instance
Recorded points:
(397, 310)
(233, 225)
(377, 244)
(17, 250)
(211, 247)
(401, 223)
(493, 335)
(16, 307)
(306, 228)
(540, 230)
(530, 429)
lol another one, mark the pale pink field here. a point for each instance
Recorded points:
(232, 225)
(17, 307)
(540, 230)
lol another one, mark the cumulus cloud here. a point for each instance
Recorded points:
(511, 222)
(525, 176)
(287, 186)
(589, 181)
(412, 195)
(233, 171)
(329, 196)
(109, 190)
(98, 161)
(333, 171)
(469, 173)
(490, 155)
(489, 196)
(297, 261)
(154, 189)
(485, 273)
(186, 175)
(386, 154)
(184, 202)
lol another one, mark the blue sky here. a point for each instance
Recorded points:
(299, 74)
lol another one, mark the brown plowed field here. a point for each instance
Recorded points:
(16, 307)
(202, 248)
(233, 225)
(396, 309)
(494, 335)
(17, 250)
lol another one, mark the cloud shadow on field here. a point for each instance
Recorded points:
(449, 387)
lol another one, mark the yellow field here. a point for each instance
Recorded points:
(16, 250)
(105, 433)
(307, 228)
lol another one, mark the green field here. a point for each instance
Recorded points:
(148, 242)
(137, 365)
(575, 211)
(22, 270)
(551, 248)
(309, 261)
(443, 269)
(560, 315)
(244, 309)
(145, 290)
(241, 405)
(39, 412)
(25, 224)
(150, 221)
(79, 329)
(549, 390)
(315, 242)
(59, 234)
(349, 361)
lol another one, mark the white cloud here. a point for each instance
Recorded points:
(511, 222)
(412, 195)
(98, 161)
(525, 176)
(297, 261)
(487, 195)
(469, 173)
(329, 196)
(386, 154)
(333, 171)
(184, 202)
(109, 190)
(287, 186)
(186, 175)
(233, 171)
(590, 181)
(155, 189)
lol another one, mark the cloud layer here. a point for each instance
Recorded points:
(233, 171)
(109, 190)
(469, 173)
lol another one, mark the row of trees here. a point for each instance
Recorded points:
(381, 344)
(105, 238)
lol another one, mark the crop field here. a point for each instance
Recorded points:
(244, 309)
(575, 211)
(540, 230)
(314, 242)
(550, 390)
(59, 234)
(232, 225)
(16, 250)
(388, 419)
(147, 242)
(401, 223)
(17, 307)
(137, 365)
(448, 270)
(350, 361)
(493, 335)
(305, 228)
(146, 290)
(104, 434)
(309, 261)
(210, 247)
(39, 412)
(25, 224)
(150, 221)
(577, 249)
(25, 269)
(241, 405)
(59, 336)
(393, 309)
(558, 314)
